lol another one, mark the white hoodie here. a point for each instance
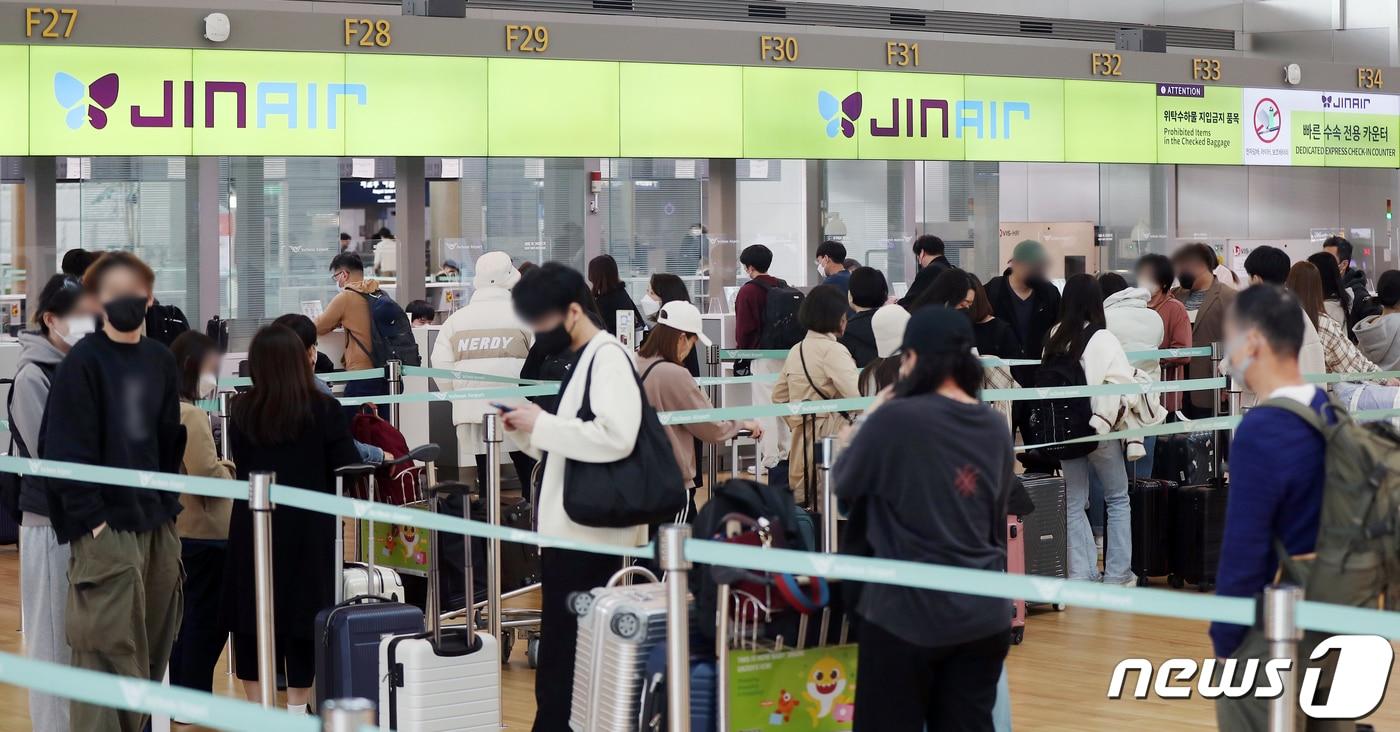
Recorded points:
(1137, 326)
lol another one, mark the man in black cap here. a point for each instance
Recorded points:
(928, 654)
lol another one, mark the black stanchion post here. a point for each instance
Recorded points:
(393, 372)
(712, 451)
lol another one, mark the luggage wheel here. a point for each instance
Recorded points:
(532, 651)
(1142, 580)
(1205, 587)
(1175, 581)
(628, 626)
(1017, 635)
(1059, 607)
(580, 603)
(507, 645)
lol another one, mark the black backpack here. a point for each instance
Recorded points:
(781, 328)
(165, 322)
(10, 482)
(390, 332)
(1057, 420)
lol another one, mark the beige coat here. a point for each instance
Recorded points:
(834, 372)
(202, 517)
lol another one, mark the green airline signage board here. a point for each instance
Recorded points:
(73, 100)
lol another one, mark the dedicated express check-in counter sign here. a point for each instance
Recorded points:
(123, 101)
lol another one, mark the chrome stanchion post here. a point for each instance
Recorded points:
(393, 372)
(824, 463)
(346, 715)
(260, 503)
(671, 555)
(1217, 352)
(224, 448)
(491, 428)
(1283, 634)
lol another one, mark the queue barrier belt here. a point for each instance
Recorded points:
(332, 377)
(747, 354)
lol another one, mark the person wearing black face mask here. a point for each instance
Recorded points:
(553, 301)
(1027, 301)
(114, 403)
(1206, 300)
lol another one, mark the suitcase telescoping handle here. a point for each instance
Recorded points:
(444, 490)
(626, 572)
(341, 473)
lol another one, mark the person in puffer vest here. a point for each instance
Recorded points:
(485, 337)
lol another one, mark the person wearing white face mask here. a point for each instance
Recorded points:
(203, 521)
(64, 316)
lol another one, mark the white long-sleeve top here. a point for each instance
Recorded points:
(610, 436)
(1104, 362)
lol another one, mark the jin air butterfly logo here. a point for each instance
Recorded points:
(99, 96)
(840, 116)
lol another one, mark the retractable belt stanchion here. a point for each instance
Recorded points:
(393, 373)
(260, 503)
(825, 461)
(491, 427)
(670, 546)
(1282, 633)
(1217, 352)
(712, 451)
(224, 398)
(346, 715)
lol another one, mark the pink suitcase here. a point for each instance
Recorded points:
(1016, 564)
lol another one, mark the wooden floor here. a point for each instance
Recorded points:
(1059, 675)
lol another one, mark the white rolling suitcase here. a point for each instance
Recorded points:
(618, 625)
(444, 679)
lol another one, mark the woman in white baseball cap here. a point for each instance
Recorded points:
(670, 387)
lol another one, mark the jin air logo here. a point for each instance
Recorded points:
(85, 103)
(840, 116)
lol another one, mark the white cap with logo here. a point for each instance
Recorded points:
(684, 317)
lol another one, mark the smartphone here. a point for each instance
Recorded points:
(503, 407)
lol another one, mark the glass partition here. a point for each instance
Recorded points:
(652, 215)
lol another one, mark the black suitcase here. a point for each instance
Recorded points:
(1185, 459)
(1150, 500)
(1046, 535)
(1197, 528)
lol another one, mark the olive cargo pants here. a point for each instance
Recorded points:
(125, 599)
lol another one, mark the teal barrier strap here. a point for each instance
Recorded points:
(749, 354)
(1330, 618)
(4, 425)
(385, 513)
(1068, 392)
(468, 376)
(1172, 428)
(211, 487)
(1362, 376)
(1160, 353)
(994, 361)
(691, 416)
(452, 396)
(1374, 415)
(149, 697)
(333, 377)
(724, 380)
(977, 582)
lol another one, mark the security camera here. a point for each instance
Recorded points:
(216, 27)
(1293, 74)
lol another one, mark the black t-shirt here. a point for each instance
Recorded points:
(996, 338)
(1025, 310)
(115, 405)
(934, 501)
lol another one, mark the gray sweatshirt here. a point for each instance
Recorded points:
(1379, 339)
(38, 359)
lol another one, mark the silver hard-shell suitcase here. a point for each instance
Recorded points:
(618, 625)
(1046, 535)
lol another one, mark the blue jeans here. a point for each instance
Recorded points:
(1105, 463)
(1137, 469)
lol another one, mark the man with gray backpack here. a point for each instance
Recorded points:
(1312, 496)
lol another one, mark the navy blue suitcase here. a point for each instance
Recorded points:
(704, 683)
(347, 645)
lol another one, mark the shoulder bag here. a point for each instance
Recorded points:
(643, 488)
